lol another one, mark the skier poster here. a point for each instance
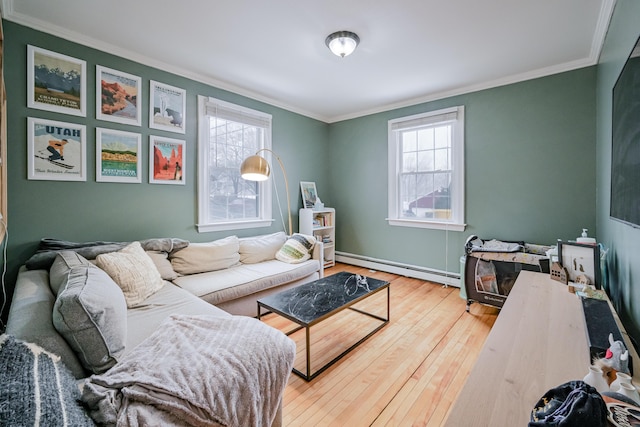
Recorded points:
(56, 150)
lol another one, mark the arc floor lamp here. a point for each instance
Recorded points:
(256, 168)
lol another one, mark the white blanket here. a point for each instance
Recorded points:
(196, 371)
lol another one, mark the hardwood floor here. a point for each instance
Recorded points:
(408, 373)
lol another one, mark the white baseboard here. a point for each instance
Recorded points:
(408, 270)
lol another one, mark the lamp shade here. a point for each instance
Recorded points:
(255, 168)
(342, 43)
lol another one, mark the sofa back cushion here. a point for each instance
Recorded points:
(133, 270)
(62, 263)
(162, 263)
(296, 249)
(30, 318)
(90, 312)
(261, 248)
(211, 256)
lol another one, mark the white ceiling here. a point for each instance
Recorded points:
(411, 51)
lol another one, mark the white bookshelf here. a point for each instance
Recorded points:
(321, 224)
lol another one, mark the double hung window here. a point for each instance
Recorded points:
(426, 170)
(227, 134)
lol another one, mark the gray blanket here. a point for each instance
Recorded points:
(49, 248)
(196, 371)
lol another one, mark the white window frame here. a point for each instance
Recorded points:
(395, 126)
(265, 217)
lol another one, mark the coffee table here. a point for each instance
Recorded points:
(310, 303)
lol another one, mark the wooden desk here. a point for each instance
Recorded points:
(538, 342)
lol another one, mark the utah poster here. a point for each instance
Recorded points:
(56, 150)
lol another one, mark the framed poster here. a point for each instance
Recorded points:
(167, 107)
(118, 96)
(56, 82)
(309, 193)
(56, 150)
(118, 156)
(580, 260)
(166, 160)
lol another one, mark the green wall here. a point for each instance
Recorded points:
(530, 172)
(622, 240)
(84, 211)
(530, 167)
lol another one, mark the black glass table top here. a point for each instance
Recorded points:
(314, 301)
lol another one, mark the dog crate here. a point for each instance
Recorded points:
(492, 267)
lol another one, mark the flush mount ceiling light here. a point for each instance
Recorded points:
(342, 43)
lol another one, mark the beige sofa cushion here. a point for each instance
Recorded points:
(261, 248)
(170, 299)
(161, 260)
(90, 312)
(245, 279)
(211, 256)
(133, 270)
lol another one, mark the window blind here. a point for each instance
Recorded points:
(237, 114)
(417, 122)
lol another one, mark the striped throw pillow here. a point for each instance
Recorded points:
(36, 388)
(296, 249)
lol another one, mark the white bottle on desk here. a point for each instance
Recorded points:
(595, 379)
(627, 389)
(586, 239)
(620, 378)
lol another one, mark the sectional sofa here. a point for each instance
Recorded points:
(66, 302)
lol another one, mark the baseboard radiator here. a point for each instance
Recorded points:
(408, 270)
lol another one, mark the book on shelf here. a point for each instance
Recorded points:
(321, 221)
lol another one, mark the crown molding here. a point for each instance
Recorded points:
(602, 26)
(516, 78)
(9, 14)
(604, 18)
(600, 33)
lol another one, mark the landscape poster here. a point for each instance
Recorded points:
(56, 150)
(118, 156)
(55, 82)
(166, 160)
(118, 96)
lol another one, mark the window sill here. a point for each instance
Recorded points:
(434, 225)
(225, 226)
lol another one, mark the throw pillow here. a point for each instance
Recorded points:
(133, 270)
(161, 260)
(211, 256)
(296, 249)
(59, 270)
(262, 248)
(91, 314)
(36, 388)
